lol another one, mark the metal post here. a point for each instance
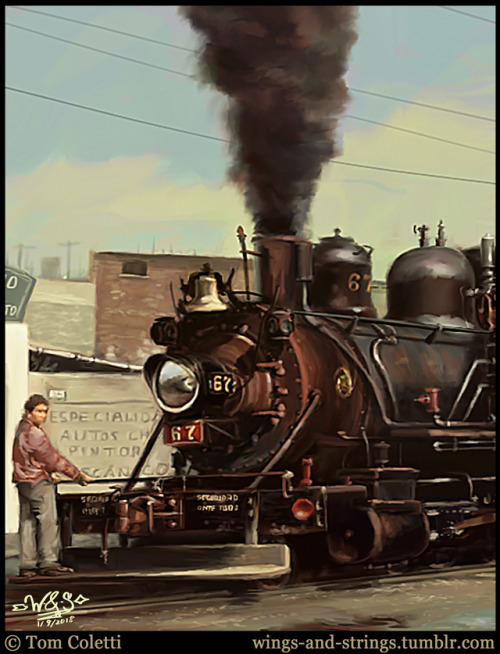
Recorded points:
(68, 244)
(241, 237)
(22, 247)
(252, 520)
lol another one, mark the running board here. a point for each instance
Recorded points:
(226, 561)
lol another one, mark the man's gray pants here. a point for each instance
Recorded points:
(38, 525)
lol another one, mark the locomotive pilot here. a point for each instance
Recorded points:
(36, 463)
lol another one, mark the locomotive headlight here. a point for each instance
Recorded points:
(182, 381)
(176, 386)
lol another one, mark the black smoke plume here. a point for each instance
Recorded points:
(282, 68)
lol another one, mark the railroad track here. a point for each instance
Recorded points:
(123, 597)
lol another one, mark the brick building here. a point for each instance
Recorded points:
(134, 289)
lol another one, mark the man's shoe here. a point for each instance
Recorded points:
(27, 572)
(56, 571)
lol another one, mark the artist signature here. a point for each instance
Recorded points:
(51, 609)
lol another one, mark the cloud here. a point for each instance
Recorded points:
(380, 208)
(115, 204)
(126, 202)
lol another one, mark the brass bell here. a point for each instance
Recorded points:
(205, 296)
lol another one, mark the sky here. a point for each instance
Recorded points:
(105, 183)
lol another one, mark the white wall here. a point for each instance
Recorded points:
(16, 394)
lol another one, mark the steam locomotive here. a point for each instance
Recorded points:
(303, 423)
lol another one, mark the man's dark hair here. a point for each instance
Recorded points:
(33, 401)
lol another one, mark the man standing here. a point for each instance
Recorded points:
(36, 462)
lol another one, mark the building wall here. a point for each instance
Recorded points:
(50, 268)
(61, 315)
(111, 315)
(127, 304)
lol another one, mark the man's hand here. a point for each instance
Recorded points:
(55, 477)
(84, 479)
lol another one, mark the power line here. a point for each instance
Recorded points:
(100, 27)
(401, 129)
(215, 138)
(109, 113)
(411, 172)
(410, 131)
(109, 54)
(143, 38)
(170, 45)
(421, 104)
(192, 77)
(486, 20)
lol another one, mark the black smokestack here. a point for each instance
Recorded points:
(282, 67)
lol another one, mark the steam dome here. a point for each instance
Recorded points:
(427, 285)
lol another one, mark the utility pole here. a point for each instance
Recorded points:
(68, 244)
(21, 247)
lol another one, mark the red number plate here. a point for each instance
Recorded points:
(190, 433)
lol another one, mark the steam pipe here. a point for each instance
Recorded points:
(452, 424)
(391, 321)
(477, 395)
(390, 339)
(466, 383)
(423, 431)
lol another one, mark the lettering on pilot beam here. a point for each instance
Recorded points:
(94, 505)
(209, 502)
(221, 383)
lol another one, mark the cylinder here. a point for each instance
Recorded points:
(405, 535)
(378, 534)
(354, 535)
